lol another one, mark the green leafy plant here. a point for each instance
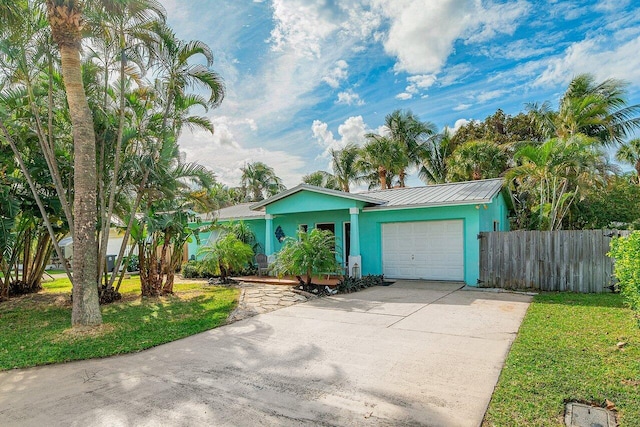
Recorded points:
(626, 251)
(311, 253)
(226, 255)
(351, 284)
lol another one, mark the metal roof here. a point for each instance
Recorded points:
(241, 211)
(353, 196)
(456, 193)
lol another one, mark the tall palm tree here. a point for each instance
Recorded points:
(179, 74)
(438, 149)
(260, 181)
(475, 160)
(381, 160)
(66, 21)
(409, 134)
(343, 163)
(597, 110)
(629, 153)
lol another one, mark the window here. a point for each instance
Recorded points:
(303, 227)
(496, 225)
(327, 226)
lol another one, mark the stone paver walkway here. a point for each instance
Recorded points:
(258, 298)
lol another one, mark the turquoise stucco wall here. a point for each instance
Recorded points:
(290, 223)
(371, 234)
(257, 226)
(495, 211)
(309, 201)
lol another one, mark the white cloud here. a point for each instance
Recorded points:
(300, 26)
(225, 155)
(611, 5)
(349, 97)
(485, 96)
(337, 74)
(462, 107)
(594, 56)
(458, 124)
(353, 130)
(421, 34)
(455, 74)
(496, 18)
(404, 96)
(520, 49)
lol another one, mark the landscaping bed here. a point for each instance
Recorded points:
(570, 348)
(35, 329)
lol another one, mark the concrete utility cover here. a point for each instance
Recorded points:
(579, 415)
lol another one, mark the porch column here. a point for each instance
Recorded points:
(268, 241)
(354, 244)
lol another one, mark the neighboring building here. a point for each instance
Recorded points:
(426, 232)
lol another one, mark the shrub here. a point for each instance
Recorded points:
(196, 270)
(227, 255)
(626, 251)
(132, 262)
(311, 253)
(351, 284)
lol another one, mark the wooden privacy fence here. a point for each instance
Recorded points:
(547, 260)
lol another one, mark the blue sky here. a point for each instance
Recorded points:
(304, 76)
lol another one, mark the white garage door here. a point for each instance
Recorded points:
(431, 250)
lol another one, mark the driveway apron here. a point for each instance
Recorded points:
(414, 353)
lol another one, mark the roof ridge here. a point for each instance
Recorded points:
(443, 184)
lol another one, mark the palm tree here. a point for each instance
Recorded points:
(322, 179)
(438, 149)
(475, 160)
(630, 153)
(551, 176)
(409, 134)
(178, 74)
(381, 160)
(343, 163)
(597, 110)
(260, 181)
(66, 18)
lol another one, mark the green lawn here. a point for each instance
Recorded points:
(35, 329)
(567, 350)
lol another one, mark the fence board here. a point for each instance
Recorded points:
(547, 260)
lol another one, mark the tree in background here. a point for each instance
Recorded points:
(260, 181)
(629, 153)
(343, 163)
(551, 177)
(408, 134)
(322, 179)
(596, 110)
(475, 160)
(434, 162)
(380, 162)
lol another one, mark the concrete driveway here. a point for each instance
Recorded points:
(414, 353)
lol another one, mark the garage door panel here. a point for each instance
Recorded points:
(432, 250)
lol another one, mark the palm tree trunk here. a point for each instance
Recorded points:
(86, 308)
(382, 176)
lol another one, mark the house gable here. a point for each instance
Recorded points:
(309, 201)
